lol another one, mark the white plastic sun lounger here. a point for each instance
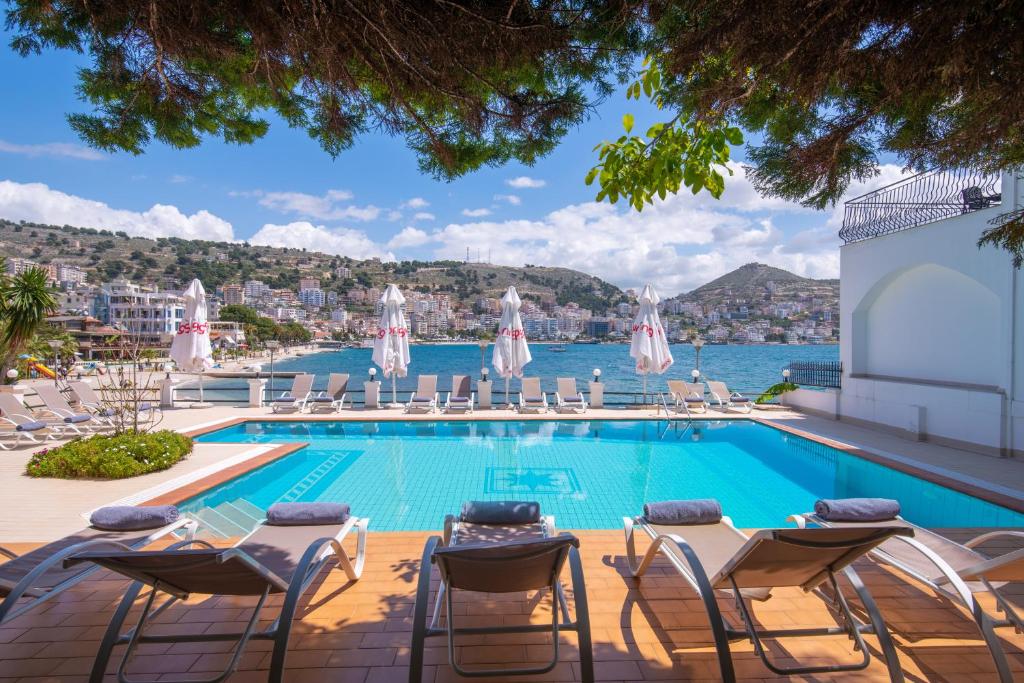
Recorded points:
(719, 560)
(424, 399)
(89, 400)
(953, 570)
(531, 398)
(567, 398)
(460, 398)
(294, 401)
(723, 398)
(687, 397)
(75, 421)
(331, 399)
(17, 424)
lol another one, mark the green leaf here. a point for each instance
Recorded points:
(627, 122)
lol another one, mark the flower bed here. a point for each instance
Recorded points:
(117, 456)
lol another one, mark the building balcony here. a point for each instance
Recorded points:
(924, 198)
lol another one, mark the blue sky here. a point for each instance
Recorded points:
(373, 201)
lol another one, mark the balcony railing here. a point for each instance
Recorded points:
(924, 198)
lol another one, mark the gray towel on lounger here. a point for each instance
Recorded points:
(307, 514)
(30, 426)
(857, 509)
(133, 517)
(697, 511)
(76, 419)
(500, 512)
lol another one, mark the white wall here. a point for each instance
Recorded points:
(932, 338)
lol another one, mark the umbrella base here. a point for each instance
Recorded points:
(200, 404)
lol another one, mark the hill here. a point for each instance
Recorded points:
(757, 282)
(171, 262)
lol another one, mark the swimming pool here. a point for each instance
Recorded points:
(408, 475)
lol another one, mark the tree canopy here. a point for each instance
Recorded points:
(828, 88)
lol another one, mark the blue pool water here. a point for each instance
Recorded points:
(408, 475)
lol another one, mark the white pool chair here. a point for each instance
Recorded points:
(331, 399)
(722, 398)
(17, 424)
(88, 399)
(953, 570)
(74, 421)
(687, 397)
(295, 399)
(460, 398)
(567, 398)
(424, 399)
(531, 398)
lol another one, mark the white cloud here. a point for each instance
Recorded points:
(476, 213)
(408, 237)
(415, 203)
(53, 149)
(303, 234)
(423, 216)
(512, 199)
(328, 206)
(178, 178)
(38, 203)
(525, 182)
(394, 215)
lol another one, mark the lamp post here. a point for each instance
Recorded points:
(597, 374)
(273, 345)
(483, 373)
(55, 344)
(785, 374)
(698, 344)
(695, 373)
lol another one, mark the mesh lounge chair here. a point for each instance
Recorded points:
(567, 398)
(425, 397)
(294, 401)
(719, 557)
(333, 398)
(516, 555)
(531, 398)
(723, 398)
(17, 424)
(270, 560)
(33, 578)
(952, 570)
(88, 399)
(460, 398)
(687, 397)
(75, 421)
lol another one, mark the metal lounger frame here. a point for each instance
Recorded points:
(560, 617)
(957, 592)
(309, 566)
(9, 609)
(724, 632)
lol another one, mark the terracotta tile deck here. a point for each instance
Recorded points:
(359, 633)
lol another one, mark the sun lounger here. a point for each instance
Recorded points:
(460, 398)
(270, 560)
(955, 571)
(89, 400)
(74, 421)
(567, 398)
(531, 398)
(716, 556)
(294, 400)
(687, 397)
(723, 398)
(333, 398)
(504, 547)
(17, 424)
(424, 399)
(28, 580)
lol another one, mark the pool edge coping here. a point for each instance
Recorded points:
(933, 474)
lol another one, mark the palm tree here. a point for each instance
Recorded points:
(25, 300)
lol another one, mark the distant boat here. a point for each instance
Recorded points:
(557, 349)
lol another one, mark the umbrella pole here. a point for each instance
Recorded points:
(201, 387)
(394, 388)
(645, 388)
(507, 404)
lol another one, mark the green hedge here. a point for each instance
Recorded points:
(116, 456)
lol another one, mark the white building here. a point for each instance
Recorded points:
(932, 341)
(312, 296)
(150, 315)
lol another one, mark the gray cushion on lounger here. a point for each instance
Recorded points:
(459, 399)
(422, 399)
(500, 512)
(75, 419)
(322, 399)
(307, 514)
(30, 426)
(857, 509)
(285, 399)
(697, 511)
(693, 399)
(110, 412)
(145, 406)
(572, 399)
(739, 399)
(133, 517)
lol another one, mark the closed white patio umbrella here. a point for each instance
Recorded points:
(391, 345)
(511, 352)
(190, 349)
(648, 346)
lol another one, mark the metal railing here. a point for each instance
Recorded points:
(827, 374)
(923, 198)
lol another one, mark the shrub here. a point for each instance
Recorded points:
(775, 391)
(116, 456)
